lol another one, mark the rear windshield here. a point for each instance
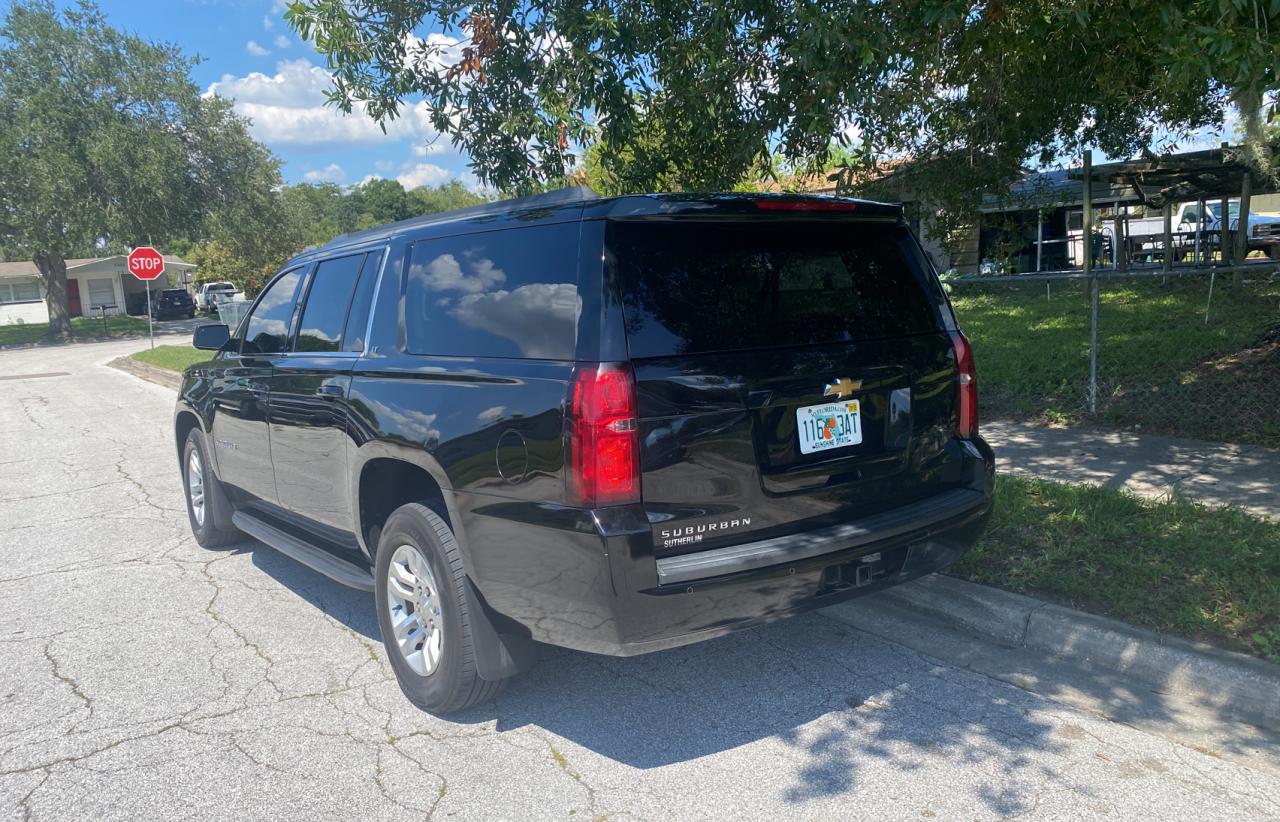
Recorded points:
(691, 287)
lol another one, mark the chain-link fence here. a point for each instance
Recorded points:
(1190, 353)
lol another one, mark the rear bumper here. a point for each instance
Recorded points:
(595, 584)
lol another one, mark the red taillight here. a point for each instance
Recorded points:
(806, 205)
(604, 455)
(966, 387)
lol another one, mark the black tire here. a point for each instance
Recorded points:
(216, 529)
(455, 683)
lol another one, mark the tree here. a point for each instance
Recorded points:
(445, 197)
(699, 93)
(108, 143)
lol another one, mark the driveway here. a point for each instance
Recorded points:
(143, 677)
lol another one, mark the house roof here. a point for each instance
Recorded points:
(27, 268)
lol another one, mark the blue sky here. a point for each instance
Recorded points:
(250, 54)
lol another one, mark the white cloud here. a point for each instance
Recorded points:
(423, 174)
(256, 50)
(267, 22)
(537, 317)
(332, 173)
(428, 149)
(491, 414)
(444, 273)
(282, 42)
(288, 109)
(383, 165)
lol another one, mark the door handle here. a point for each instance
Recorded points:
(331, 390)
(258, 387)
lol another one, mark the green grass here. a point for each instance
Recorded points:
(81, 328)
(1173, 566)
(1162, 369)
(172, 357)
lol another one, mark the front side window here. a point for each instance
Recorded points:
(267, 329)
(511, 293)
(327, 301)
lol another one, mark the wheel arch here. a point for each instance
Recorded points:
(386, 476)
(183, 422)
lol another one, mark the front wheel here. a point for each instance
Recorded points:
(207, 507)
(425, 613)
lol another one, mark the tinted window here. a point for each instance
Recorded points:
(510, 293)
(701, 286)
(358, 315)
(327, 299)
(267, 329)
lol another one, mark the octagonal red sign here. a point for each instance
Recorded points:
(145, 263)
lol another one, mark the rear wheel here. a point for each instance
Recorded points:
(425, 613)
(207, 507)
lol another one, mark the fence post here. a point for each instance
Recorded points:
(1168, 237)
(1242, 230)
(1087, 196)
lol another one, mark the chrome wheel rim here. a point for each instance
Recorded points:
(195, 486)
(414, 602)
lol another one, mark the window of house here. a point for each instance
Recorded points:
(102, 292)
(20, 292)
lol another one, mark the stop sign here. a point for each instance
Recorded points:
(145, 263)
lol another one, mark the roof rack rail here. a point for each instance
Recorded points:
(556, 197)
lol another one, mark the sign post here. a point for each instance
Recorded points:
(147, 264)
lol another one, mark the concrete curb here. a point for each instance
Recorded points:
(148, 372)
(1238, 685)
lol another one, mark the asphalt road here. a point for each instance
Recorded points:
(143, 677)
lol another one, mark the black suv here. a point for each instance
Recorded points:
(615, 425)
(173, 302)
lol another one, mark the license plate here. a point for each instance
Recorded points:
(830, 425)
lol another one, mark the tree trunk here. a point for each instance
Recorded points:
(53, 273)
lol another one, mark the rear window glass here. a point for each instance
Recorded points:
(702, 286)
(509, 293)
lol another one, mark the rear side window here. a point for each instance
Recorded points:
(328, 298)
(703, 286)
(509, 293)
(358, 314)
(267, 329)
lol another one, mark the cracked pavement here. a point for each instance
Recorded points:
(144, 677)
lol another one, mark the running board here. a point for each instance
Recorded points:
(317, 559)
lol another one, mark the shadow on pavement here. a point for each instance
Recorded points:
(827, 697)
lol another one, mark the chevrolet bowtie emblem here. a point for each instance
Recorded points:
(842, 388)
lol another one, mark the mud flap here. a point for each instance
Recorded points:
(499, 653)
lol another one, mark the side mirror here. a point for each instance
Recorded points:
(211, 337)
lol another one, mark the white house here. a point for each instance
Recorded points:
(92, 282)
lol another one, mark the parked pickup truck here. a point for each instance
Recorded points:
(1264, 228)
(207, 293)
(614, 425)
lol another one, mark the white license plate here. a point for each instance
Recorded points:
(830, 425)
